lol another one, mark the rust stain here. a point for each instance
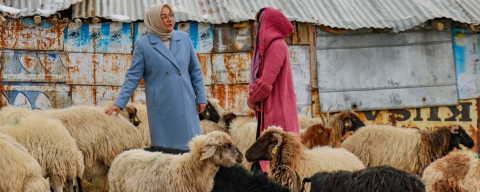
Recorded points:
(235, 68)
(316, 103)
(233, 98)
(477, 109)
(17, 35)
(206, 64)
(95, 63)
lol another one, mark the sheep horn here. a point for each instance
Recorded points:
(294, 176)
(279, 142)
(328, 113)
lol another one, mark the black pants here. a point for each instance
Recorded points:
(256, 165)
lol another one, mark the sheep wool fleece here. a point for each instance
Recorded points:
(173, 88)
(274, 87)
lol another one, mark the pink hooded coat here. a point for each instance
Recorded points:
(274, 87)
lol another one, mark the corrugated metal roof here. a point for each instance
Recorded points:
(399, 15)
(38, 7)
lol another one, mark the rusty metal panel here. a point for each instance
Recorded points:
(97, 69)
(233, 37)
(37, 95)
(201, 35)
(206, 62)
(361, 70)
(231, 68)
(466, 47)
(139, 96)
(233, 98)
(300, 62)
(99, 38)
(83, 95)
(24, 34)
(209, 91)
(106, 93)
(32, 66)
(465, 114)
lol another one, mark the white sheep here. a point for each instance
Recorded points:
(285, 148)
(139, 170)
(100, 137)
(51, 145)
(141, 113)
(458, 171)
(19, 171)
(243, 133)
(410, 150)
(304, 121)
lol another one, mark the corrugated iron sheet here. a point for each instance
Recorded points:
(97, 68)
(39, 7)
(466, 47)
(99, 38)
(233, 98)
(361, 70)
(231, 68)
(97, 95)
(231, 38)
(300, 62)
(24, 34)
(464, 114)
(399, 15)
(32, 66)
(37, 95)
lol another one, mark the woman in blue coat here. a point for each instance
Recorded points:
(173, 77)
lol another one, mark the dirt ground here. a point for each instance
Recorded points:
(94, 186)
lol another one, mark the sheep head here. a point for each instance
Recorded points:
(132, 115)
(460, 137)
(350, 121)
(316, 135)
(228, 118)
(210, 113)
(267, 145)
(217, 147)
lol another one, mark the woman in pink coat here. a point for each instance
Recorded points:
(271, 93)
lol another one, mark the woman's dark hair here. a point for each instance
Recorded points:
(258, 14)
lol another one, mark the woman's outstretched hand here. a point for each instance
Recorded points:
(111, 109)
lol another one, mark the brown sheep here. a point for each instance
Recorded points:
(317, 135)
(458, 171)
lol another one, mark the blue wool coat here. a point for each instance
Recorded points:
(173, 85)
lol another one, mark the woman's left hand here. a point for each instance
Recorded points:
(201, 107)
(253, 107)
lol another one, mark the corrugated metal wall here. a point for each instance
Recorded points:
(46, 66)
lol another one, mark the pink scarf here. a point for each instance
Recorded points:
(257, 58)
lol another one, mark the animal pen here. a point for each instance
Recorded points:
(407, 75)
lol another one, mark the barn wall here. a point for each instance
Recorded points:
(48, 66)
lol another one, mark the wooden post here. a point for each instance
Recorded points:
(294, 35)
(313, 71)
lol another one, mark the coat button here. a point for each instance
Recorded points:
(167, 74)
(179, 74)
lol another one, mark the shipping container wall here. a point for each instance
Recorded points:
(56, 66)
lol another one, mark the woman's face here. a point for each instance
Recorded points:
(168, 19)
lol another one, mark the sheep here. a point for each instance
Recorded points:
(142, 116)
(342, 123)
(130, 112)
(410, 150)
(304, 122)
(316, 135)
(285, 148)
(51, 145)
(243, 133)
(380, 179)
(237, 178)
(458, 171)
(223, 125)
(19, 170)
(139, 170)
(210, 113)
(100, 137)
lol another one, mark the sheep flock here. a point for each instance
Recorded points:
(68, 149)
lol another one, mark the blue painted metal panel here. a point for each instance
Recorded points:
(32, 66)
(201, 34)
(37, 95)
(466, 47)
(99, 38)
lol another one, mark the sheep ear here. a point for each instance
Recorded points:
(208, 152)
(454, 129)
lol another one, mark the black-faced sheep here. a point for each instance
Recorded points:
(100, 137)
(410, 150)
(342, 123)
(130, 112)
(317, 135)
(458, 171)
(210, 113)
(379, 179)
(285, 148)
(139, 170)
(223, 125)
(18, 169)
(237, 178)
(51, 145)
